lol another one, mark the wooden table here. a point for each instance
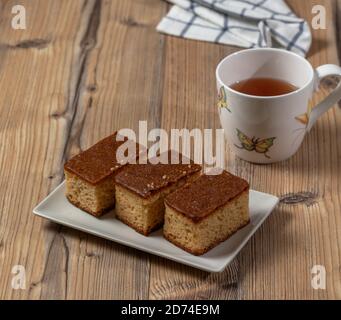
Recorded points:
(83, 69)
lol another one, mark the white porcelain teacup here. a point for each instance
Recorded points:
(270, 128)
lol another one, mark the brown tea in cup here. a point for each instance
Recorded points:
(263, 87)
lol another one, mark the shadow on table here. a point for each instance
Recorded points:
(269, 245)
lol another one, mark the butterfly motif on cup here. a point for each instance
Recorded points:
(222, 102)
(255, 144)
(304, 118)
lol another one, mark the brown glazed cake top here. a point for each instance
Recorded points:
(147, 179)
(206, 194)
(98, 162)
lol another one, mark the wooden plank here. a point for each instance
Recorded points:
(36, 66)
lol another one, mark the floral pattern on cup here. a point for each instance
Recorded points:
(255, 144)
(222, 102)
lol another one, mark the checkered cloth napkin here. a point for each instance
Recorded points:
(243, 23)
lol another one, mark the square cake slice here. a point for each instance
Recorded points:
(140, 192)
(90, 175)
(206, 212)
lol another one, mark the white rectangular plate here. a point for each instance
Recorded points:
(57, 208)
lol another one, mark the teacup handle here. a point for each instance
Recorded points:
(331, 99)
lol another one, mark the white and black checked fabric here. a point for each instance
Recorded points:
(243, 23)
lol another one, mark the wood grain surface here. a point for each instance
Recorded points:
(83, 69)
